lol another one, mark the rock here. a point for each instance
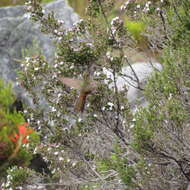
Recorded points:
(12, 11)
(17, 33)
(135, 79)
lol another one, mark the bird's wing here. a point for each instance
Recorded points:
(73, 83)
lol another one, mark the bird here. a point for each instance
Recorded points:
(86, 86)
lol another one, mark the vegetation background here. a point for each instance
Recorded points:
(108, 146)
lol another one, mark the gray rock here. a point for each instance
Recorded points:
(17, 33)
(11, 11)
(134, 79)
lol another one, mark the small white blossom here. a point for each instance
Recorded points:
(79, 119)
(110, 104)
(108, 54)
(97, 73)
(29, 8)
(53, 171)
(61, 22)
(124, 6)
(170, 96)
(122, 107)
(103, 108)
(61, 63)
(27, 59)
(56, 153)
(90, 45)
(53, 109)
(61, 158)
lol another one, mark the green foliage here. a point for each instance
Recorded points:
(46, 1)
(9, 121)
(17, 177)
(13, 152)
(136, 29)
(6, 95)
(119, 163)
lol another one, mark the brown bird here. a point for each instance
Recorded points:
(86, 86)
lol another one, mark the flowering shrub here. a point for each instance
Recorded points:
(107, 144)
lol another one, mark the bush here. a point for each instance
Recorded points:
(152, 148)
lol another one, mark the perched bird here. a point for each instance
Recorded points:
(85, 86)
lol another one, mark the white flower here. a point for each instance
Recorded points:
(56, 153)
(53, 109)
(29, 8)
(61, 22)
(103, 108)
(122, 107)
(124, 6)
(27, 59)
(79, 119)
(90, 45)
(9, 177)
(110, 104)
(61, 63)
(53, 171)
(97, 73)
(170, 96)
(108, 54)
(61, 158)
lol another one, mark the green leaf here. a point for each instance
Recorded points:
(136, 28)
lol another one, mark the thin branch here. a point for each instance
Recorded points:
(135, 75)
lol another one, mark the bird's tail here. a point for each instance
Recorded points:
(80, 103)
